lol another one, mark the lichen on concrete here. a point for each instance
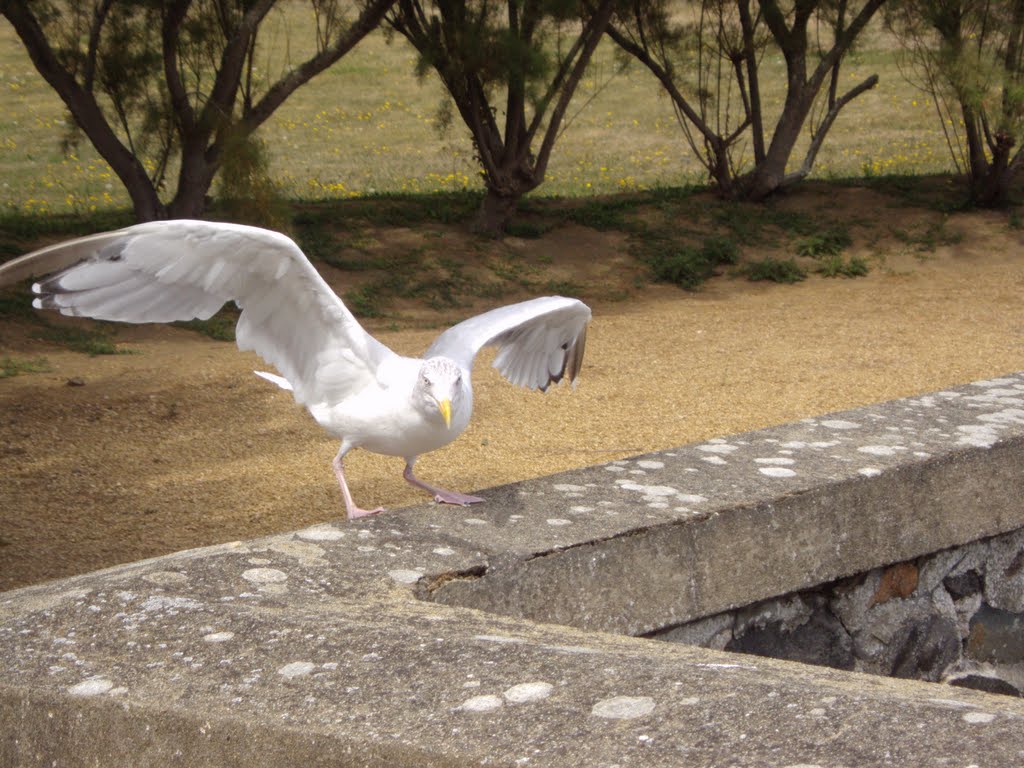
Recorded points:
(361, 644)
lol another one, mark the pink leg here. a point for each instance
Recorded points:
(441, 496)
(350, 506)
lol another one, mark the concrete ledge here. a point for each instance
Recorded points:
(309, 648)
(124, 674)
(674, 536)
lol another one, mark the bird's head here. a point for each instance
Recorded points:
(440, 385)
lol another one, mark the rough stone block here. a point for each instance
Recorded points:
(1004, 574)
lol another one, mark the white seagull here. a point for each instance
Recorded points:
(355, 387)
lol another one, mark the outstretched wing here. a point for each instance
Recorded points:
(539, 341)
(179, 270)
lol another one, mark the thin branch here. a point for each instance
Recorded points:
(174, 16)
(823, 129)
(594, 31)
(367, 21)
(564, 68)
(664, 77)
(98, 20)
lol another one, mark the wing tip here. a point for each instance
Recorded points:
(572, 362)
(574, 357)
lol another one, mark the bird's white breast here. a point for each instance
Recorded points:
(388, 420)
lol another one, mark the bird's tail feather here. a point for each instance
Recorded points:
(282, 382)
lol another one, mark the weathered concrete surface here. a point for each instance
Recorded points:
(219, 665)
(635, 546)
(309, 648)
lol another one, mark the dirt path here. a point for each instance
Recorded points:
(180, 445)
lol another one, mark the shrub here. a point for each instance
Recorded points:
(775, 270)
(688, 266)
(837, 266)
(831, 242)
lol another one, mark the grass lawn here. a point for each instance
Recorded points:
(369, 125)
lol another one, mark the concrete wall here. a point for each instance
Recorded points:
(311, 648)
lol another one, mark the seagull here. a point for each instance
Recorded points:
(355, 387)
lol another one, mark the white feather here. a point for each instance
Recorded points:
(181, 269)
(354, 386)
(530, 337)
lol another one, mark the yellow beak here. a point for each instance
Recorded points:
(445, 407)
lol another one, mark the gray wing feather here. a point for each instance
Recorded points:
(539, 342)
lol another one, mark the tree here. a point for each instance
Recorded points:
(535, 51)
(709, 60)
(159, 84)
(969, 56)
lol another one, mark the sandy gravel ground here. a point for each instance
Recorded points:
(179, 445)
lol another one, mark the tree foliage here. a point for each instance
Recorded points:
(969, 55)
(525, 57)
(708, 57)
(165, 86)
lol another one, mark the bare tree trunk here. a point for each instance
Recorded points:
(200, 119)
(521, 170)
(194, 181)
(770, 175)
(991, 188)
(495, 212)
(992, 176)
(646, 30)
(510, 174)
(512, 162)
(747, 24)
(709, 146)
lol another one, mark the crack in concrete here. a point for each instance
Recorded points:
(426, 586)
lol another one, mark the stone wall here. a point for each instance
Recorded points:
(955, 615)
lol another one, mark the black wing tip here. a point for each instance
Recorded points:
(50, 285)
(572, 361)
(574, 358)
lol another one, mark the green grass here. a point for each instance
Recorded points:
(827, 246)
(90, 341)
(528, 230)
(220, 327)
(748, 223)
(605, 213)
(927, 238)
(11, 367)
(16, 305)
(562, 287)
(366, 301)
(395, 251)
(368, 127)
(94, 339)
